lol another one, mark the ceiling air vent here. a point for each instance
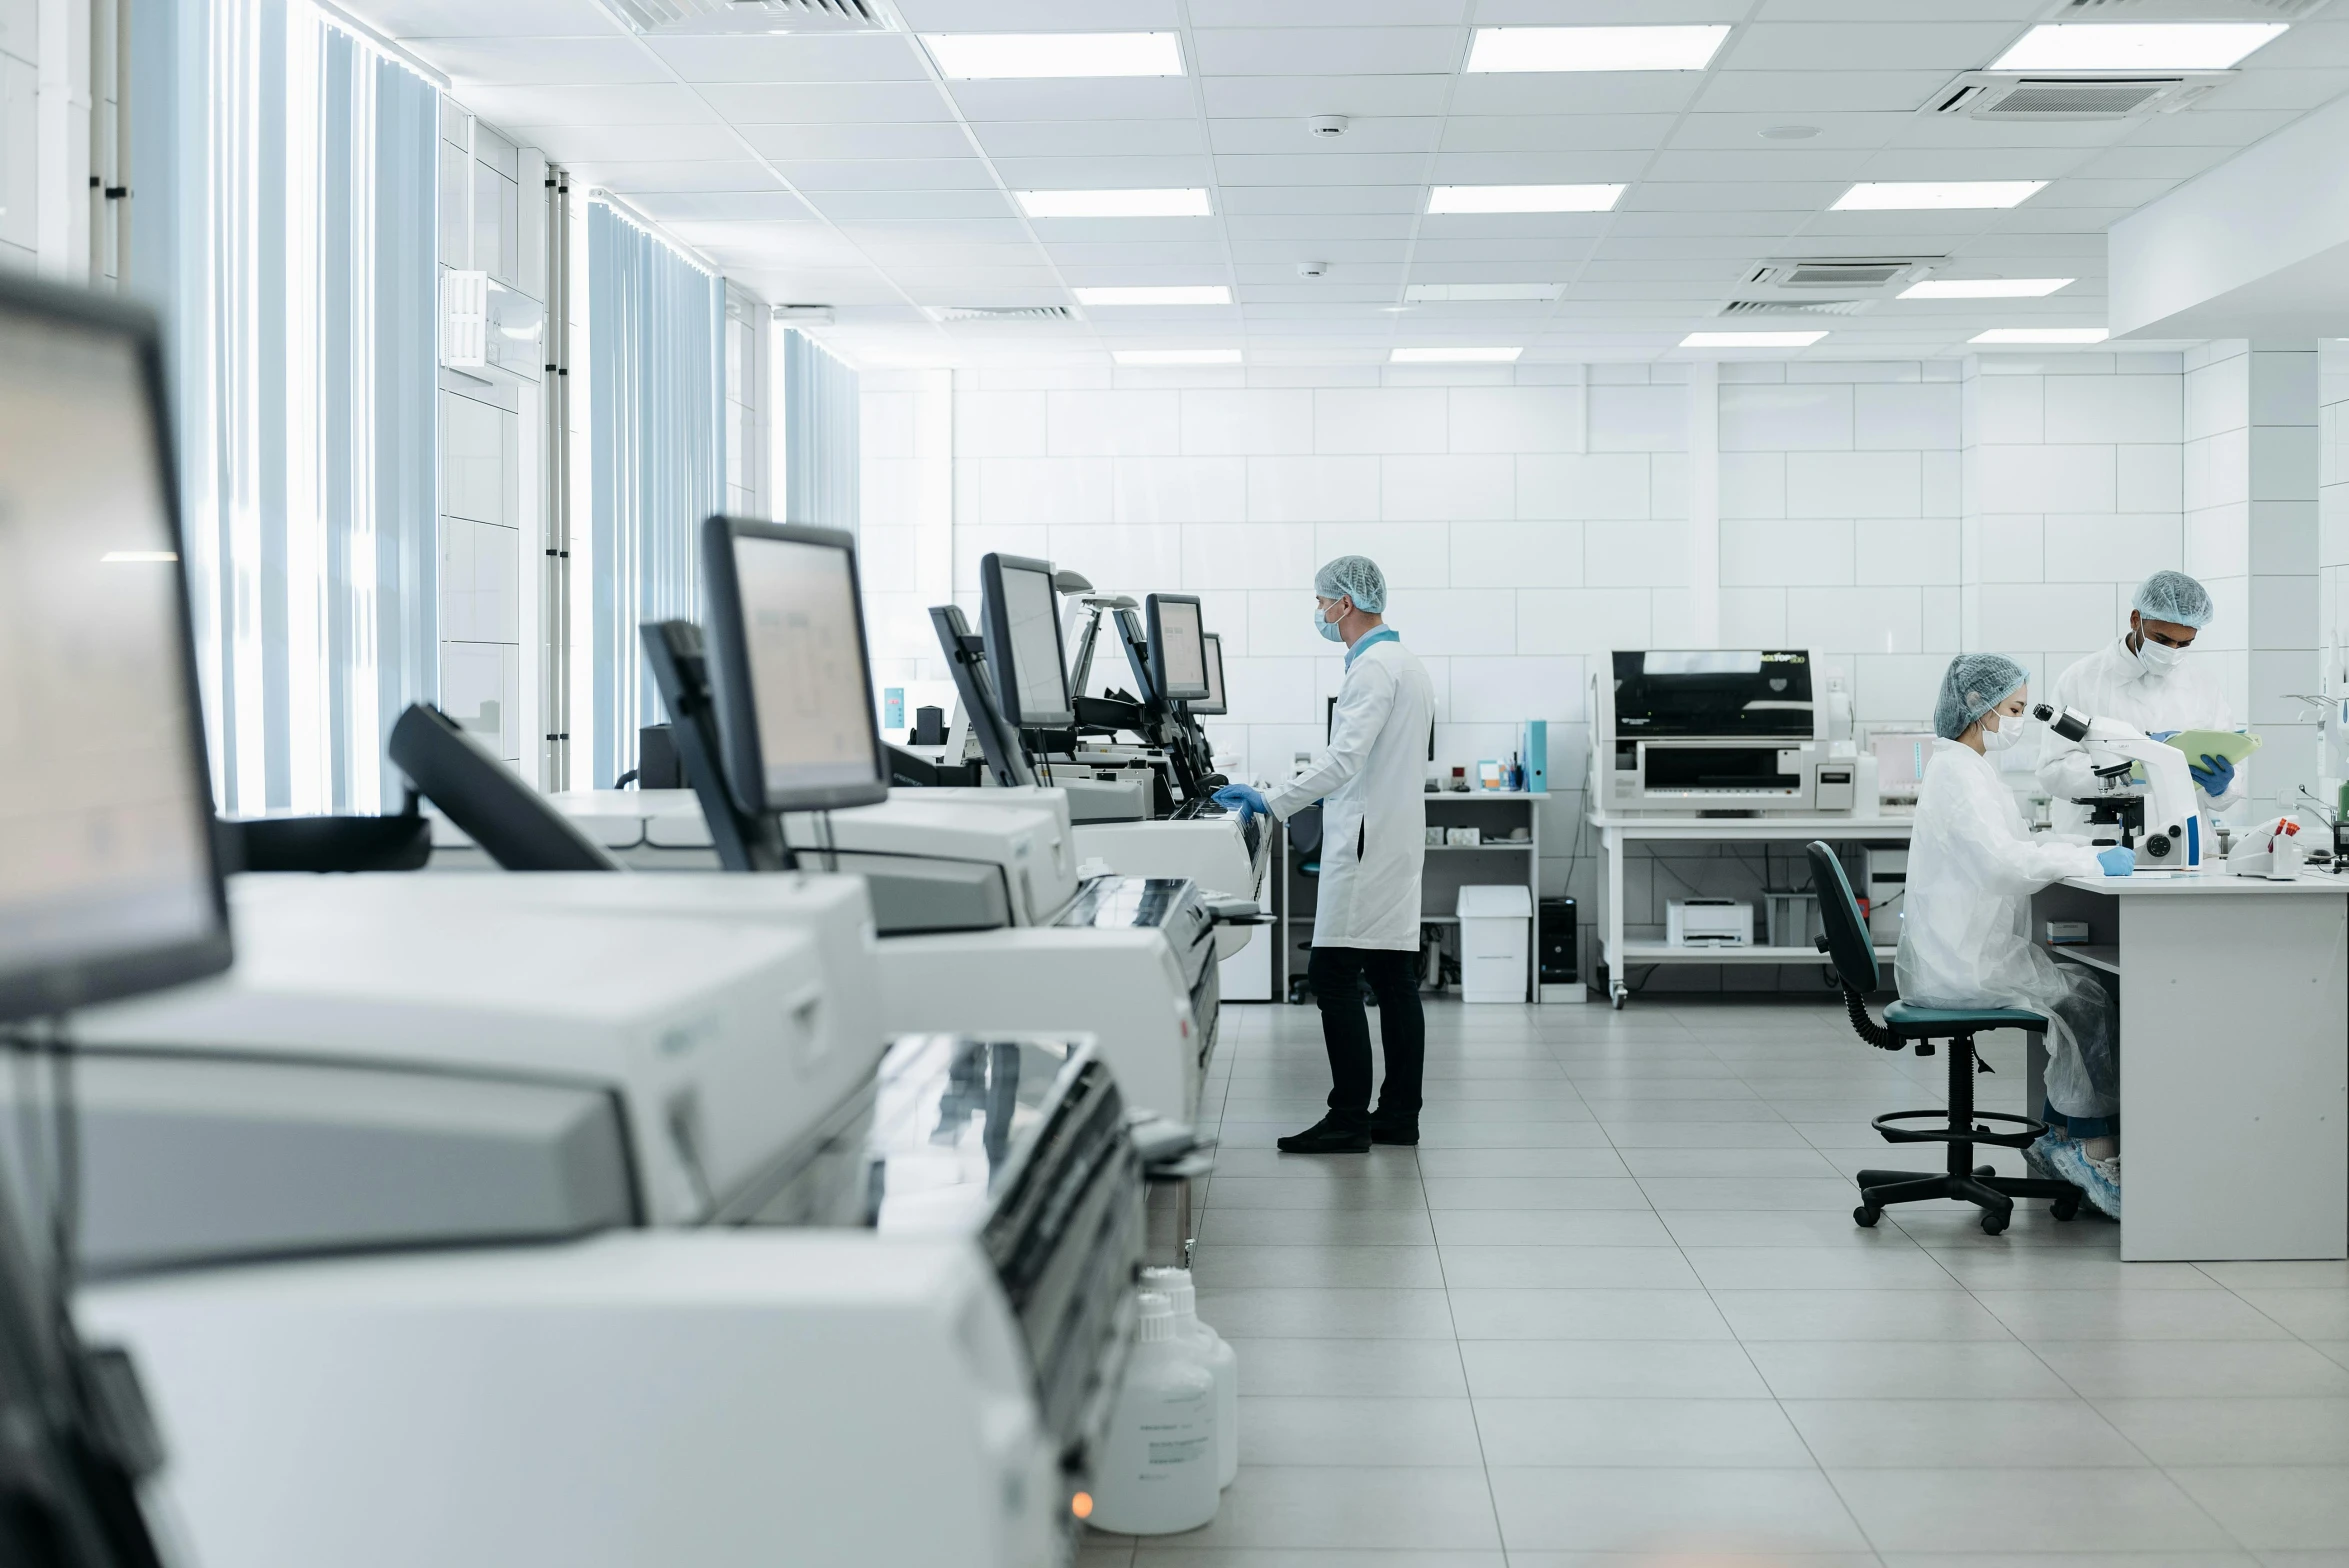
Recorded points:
(673, 18)
(1838, 272)
(1002, 313)
(2185, 10)
(1982, 96)
(1796, 307)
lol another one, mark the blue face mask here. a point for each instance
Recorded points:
(1327, 628)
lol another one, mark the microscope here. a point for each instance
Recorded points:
(2155, 814)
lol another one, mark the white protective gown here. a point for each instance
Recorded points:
(2112, 684)
(1964, 931)
(1372, 780)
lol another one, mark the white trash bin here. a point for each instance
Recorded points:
(1496, 942)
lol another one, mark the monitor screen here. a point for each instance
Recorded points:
(108, 884)
(1213, 705)
(787, 667)
(1178, 656)
(1900, 762)
(1021, 614)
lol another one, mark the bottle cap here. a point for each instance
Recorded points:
(1158, 1320)
(1176, 1285)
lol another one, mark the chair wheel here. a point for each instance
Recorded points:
(1985, 1170)
(2066, 1208)
(1866, 1216)
(1993, 1222)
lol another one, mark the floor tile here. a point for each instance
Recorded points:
(1729, 1194)
(1280, 1311)
(2025, 1510)
(2295, 1508)
(1758, 1315)
(1818, 1268)
(1972, 1433)
(1586, 1314)
(1548, 1163)
(1768, 1133)
(1313, 1228)
(1568, 1268)
(1609, 1369)
(2025, 1269)
(1657, 1432)
(1424, 1368)
(1550, 1227)
(1176, 1552)
(1511, 1135)
(1678, 1511)
(2310, 1314)
(1293, 1430)
(1733, 1164)
(1534, 1192)
(1351, 1507)
(2188, 1368)
(2126, 1314)
(1375, 1190)
(1750, 1228)
(1417, 1268)
(1877, 1370)
(2234, 1431)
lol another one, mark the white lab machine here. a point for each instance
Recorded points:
(2145, 794)
(1708, 922)
(1692, 732)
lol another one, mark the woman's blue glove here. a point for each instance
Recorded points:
(1242, 798)
(2214, 774)
(2118, 861)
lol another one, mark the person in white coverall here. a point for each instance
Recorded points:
(1964, 937)
(1373, 842)
(2145, 678)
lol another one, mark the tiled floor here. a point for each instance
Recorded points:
(1614, 1306)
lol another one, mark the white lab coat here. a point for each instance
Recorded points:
(1371, 779)
(1965, 918)
(2112, 684)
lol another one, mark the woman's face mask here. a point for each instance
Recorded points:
(2009, 731)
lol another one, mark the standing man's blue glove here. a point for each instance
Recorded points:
(2215, 774)
(1244, 799)
(2119, 861)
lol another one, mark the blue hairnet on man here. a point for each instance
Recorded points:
(1366, 921)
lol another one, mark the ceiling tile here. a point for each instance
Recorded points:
(889, 174)
(1089, 174)
(1299, 97)
(1291, 225)
(1129, 98)
(848, 206)
(826, 103)
(1135, 138)
(1867, 46)
(934, 139)
(925, 231)
(543, 60)
(777, 206)
(1040, 16)
(1554, 132)
(628, 176)
(1711, 196)
(802, 244)
(1539, 168)
(1797, 93)
(646, 104)
(1325, 169)
(1329, 51)
(1293, 137)
(416, 20)
(1331, 13)
(798, 57)
(1591, 92)
(1290, 199)
(575, 144)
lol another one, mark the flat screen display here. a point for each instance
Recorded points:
(106, 866)
(1177, 652)
(1023, 642)
(1213, 706)
(803, 641)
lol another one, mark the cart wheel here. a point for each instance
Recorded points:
(1620, 994)
(2066, 1209)
(1993, 1221)
(1866, 1216)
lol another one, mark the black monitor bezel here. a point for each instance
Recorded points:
(1157, 642)
(1002, 661)
(58, 987)
(1208, 707)
(729, 669)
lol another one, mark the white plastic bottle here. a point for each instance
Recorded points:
(1218, 1357)
(1157, 1469)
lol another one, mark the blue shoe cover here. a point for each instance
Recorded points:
(2096, 1184)
(2035, 1156)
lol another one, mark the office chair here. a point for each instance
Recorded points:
(1960, 1126)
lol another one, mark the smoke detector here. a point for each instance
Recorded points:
(1311, 269)
(681, 18)
(1329, 125)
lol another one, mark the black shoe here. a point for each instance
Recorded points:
(1328, 1136)
(1402, 1130)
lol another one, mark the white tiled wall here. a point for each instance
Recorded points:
(2333, 541)
(1883, 515)
(20, 83)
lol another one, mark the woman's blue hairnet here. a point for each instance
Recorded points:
(1976, 683)
(2173, 596)
(1354, 577)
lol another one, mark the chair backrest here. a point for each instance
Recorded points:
(1847, 934)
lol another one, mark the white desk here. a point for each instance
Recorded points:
(2234, 1058)
(1618, 832)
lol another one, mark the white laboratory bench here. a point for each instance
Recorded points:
(1617, 832)
(2234, 1017)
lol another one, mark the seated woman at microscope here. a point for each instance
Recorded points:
(1973, 866)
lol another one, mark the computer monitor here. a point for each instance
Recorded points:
(1178, 656)
(1212, 706)
(789, 676)
(512, 823)
(1900, 762)
(108, 882)
(1021, 617)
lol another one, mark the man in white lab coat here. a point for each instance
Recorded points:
(1370, 779)
(2149, 678)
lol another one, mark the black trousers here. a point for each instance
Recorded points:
(1336, 975)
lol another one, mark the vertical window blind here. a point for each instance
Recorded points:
(821, 451)
(306, 361)
(657, 395)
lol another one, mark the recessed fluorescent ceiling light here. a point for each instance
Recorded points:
(137, 557)
(1175, 356)
(1159, 294)
(1454, 293)
(1453, 356)
(1523, 198)
(1919, 195)
(2041, 335)
(1751, 339)
(1190, 203)
(983, 56)
(1983, 288)
(2135, 46)
(1594, 48)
